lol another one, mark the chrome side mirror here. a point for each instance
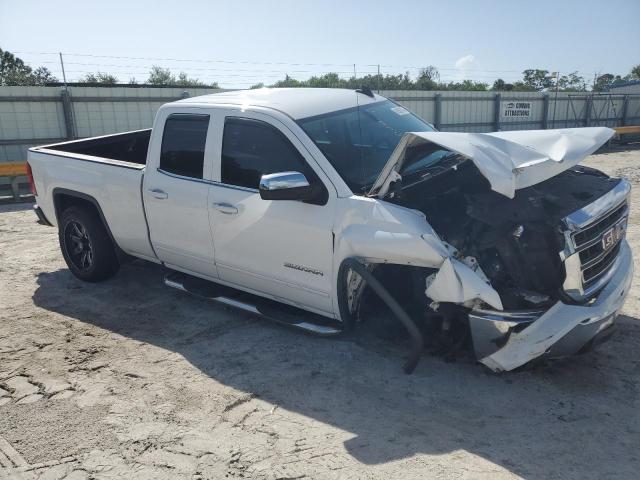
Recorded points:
(285, 186)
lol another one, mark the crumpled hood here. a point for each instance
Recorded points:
(509, 160)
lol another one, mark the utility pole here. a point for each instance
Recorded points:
(354, 71)
(555, 100)
(64, 76)
(379, 78)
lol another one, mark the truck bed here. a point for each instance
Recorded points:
(126, 147)
(108, 171)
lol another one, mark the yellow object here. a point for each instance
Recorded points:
(625, 130)
(13, 169)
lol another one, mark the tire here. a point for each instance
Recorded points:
(86, 246)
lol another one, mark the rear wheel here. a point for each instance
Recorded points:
(86, 246)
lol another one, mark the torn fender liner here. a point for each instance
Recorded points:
(401, 315)
(509, 160)
(455, 282)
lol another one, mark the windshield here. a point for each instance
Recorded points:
(359, 141)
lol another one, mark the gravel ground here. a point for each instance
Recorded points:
(130, 379)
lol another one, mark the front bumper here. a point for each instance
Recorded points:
(506, 340)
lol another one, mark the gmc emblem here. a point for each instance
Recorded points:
(612, 236)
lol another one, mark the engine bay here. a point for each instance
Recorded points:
(516, 242)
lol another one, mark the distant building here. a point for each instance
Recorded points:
(627, 87)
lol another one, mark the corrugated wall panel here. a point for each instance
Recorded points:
(460, 111)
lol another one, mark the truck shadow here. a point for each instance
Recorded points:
(570, 419)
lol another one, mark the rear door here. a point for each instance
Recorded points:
(175, 193)
(282, 248)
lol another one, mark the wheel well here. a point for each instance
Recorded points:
(63, 199)
(445, 328)
(405, 283)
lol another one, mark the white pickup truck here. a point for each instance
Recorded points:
(323, 208)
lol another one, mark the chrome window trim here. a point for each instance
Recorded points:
(207, 182)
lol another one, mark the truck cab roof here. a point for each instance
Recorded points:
(297, 103)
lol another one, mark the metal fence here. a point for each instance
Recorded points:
(39, 115)
(487, 111)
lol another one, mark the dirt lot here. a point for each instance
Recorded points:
(130, 379)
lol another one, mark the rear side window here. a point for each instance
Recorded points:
(251, 148)
(183, 143)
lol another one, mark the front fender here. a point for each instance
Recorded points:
(388, 233)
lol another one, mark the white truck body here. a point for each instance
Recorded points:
(291, 251)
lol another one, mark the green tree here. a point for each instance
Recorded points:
(286, 82)
(164, 77)
(42, 76)
(428, 79)
(605, 80)
(184, 81)
(572, 83)
(13, 71)
(161, 76)
(99, 78)
(256, 86)
(328, 80)
(635, 72)
(467, 85)
(537, 79)
(501, 86)
(520, 86)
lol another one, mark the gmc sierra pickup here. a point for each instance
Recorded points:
(321, 208)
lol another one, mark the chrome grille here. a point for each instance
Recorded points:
(592, 233)
(593, 241)
(595, 259)
(590, 274)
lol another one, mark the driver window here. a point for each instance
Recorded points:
(252, 148)
(183, 144)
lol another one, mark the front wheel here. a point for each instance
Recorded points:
(86, 246)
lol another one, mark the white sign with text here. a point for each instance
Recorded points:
(516, 109)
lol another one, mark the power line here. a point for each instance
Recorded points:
(193, 60)
(249, 62)
(259, 74)
(201, 69)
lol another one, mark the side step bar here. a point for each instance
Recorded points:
(263, 307)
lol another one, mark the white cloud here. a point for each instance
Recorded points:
(463, 67)
(463, 63)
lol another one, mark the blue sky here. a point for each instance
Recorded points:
(464, 39)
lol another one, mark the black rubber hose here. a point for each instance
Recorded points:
(374, 283)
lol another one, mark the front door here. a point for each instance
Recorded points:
(282, 248)
(175, 196)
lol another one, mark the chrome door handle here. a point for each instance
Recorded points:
(226, 208)
(159, 194)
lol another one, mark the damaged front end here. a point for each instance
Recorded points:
(596, 272)
(537, 258)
